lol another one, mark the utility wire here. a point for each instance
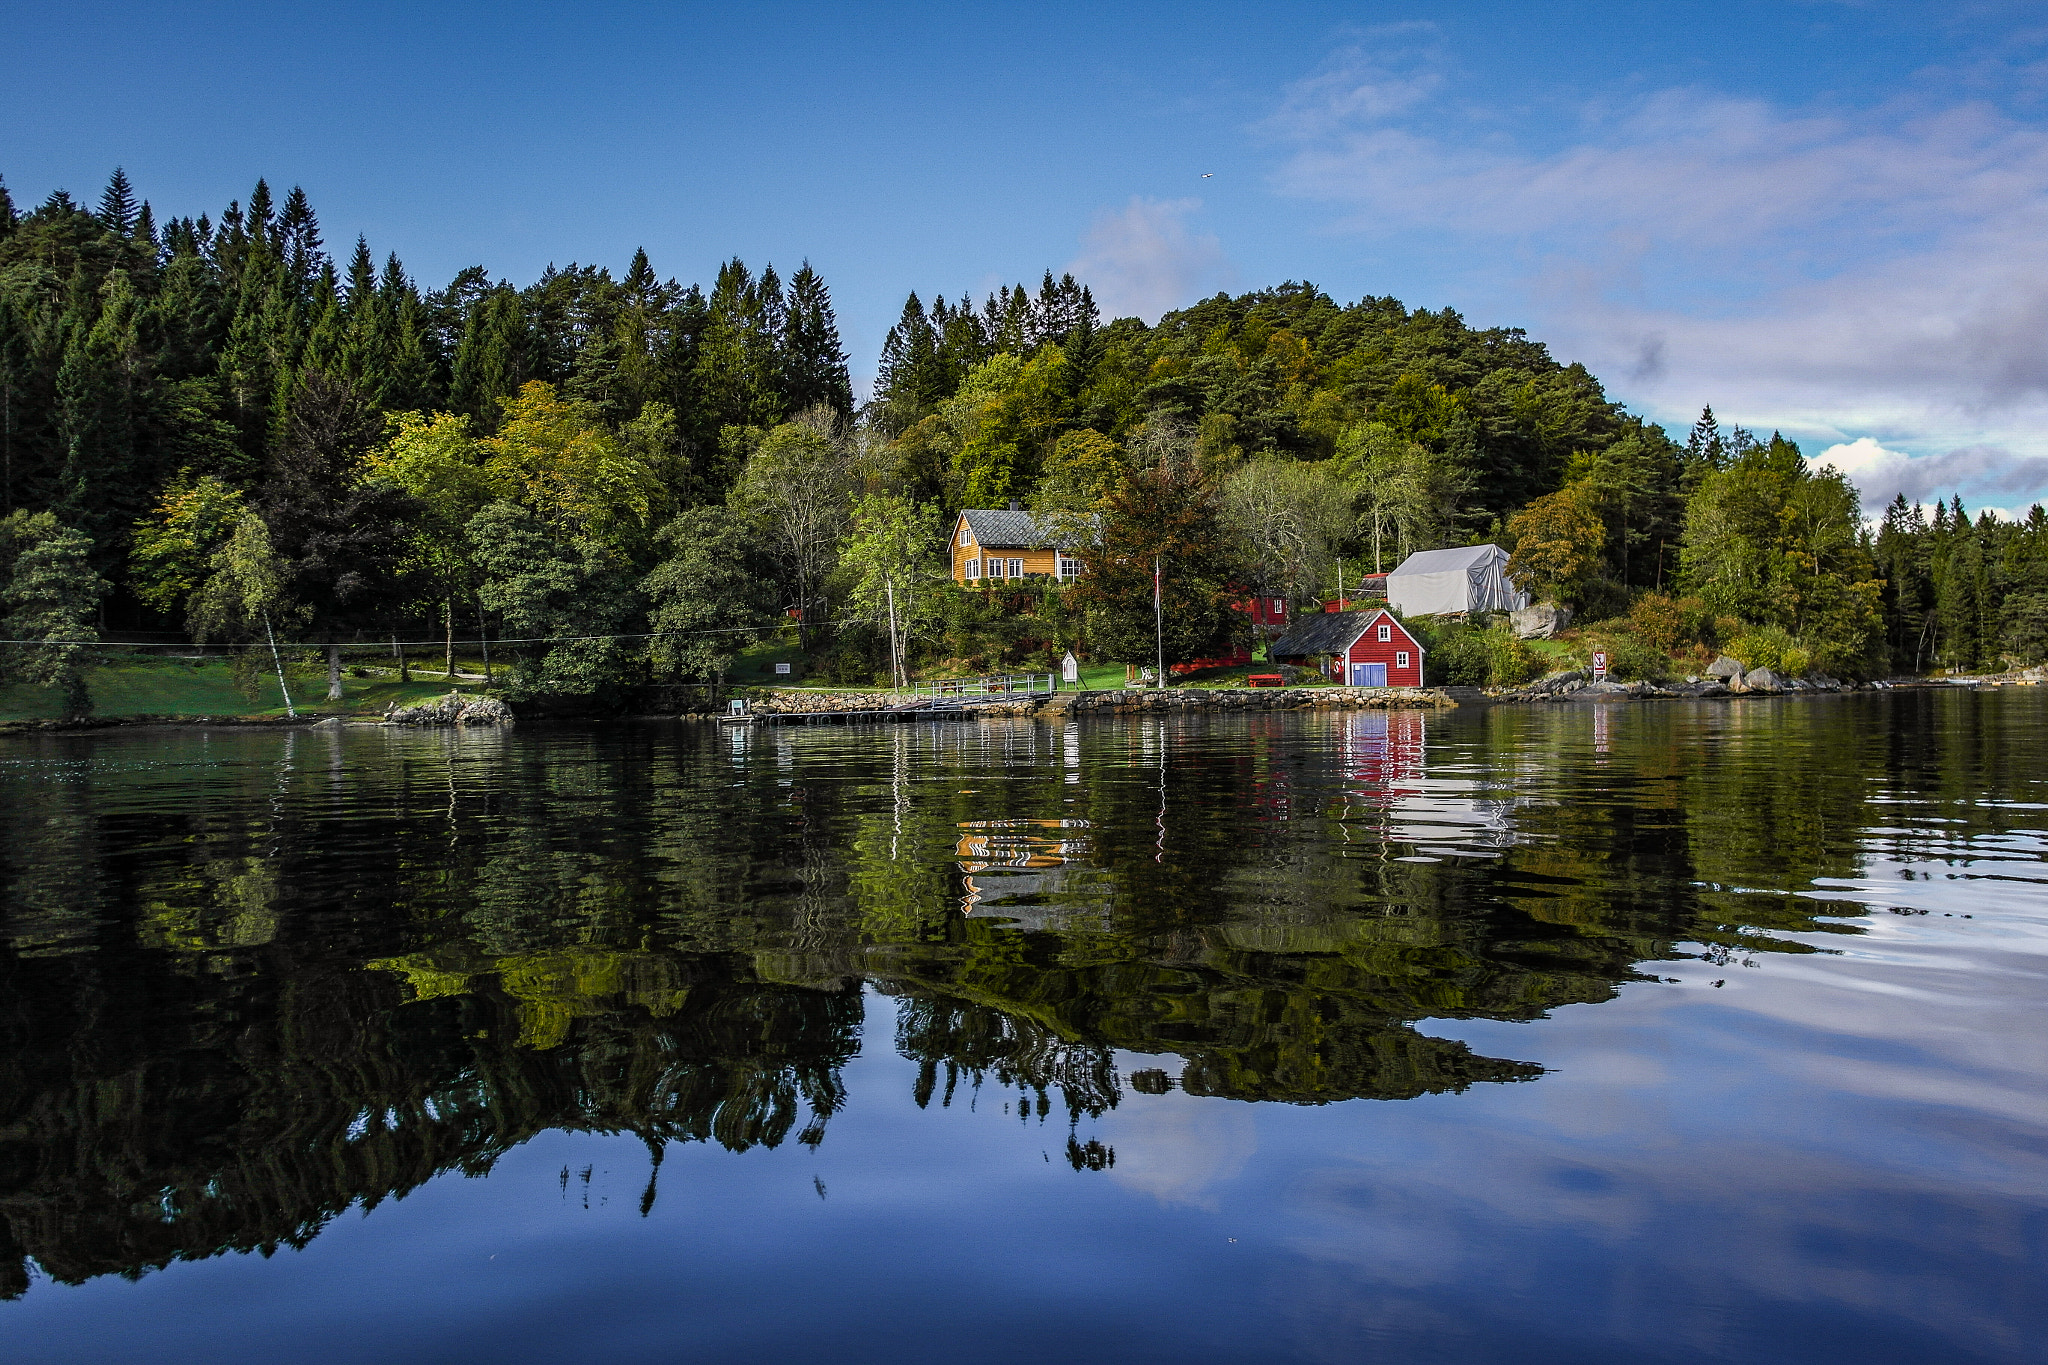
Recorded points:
(436, 642)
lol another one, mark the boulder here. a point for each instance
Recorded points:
(1539, 622)
(1725, 668)
(454, 709)
(1762, 680)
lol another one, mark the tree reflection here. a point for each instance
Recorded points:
(251, 981)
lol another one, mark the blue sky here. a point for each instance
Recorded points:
(1826, 217)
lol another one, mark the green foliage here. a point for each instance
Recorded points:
(1629, 657)
(709, 599)
(51, 594)
(1287, 519)
(1558, 540)
(173, 545)
(2025, 634)
(890, 569)
(559, 594)
(1771, 647)
(1166, 518)
(1466, 655)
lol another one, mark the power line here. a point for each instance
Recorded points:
(436, 642)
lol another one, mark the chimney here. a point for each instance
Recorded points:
(1016, 506)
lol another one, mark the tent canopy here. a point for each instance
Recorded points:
(1468, 578)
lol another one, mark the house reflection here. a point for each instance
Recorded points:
(1033, 872)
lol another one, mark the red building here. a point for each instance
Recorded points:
(1357, 648)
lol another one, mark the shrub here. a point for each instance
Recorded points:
(1628, 656)
(1463, 655)
(1771, 647)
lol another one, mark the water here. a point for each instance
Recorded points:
(1599, 1033)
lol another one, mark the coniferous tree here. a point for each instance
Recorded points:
(117, 210)
(339, 530)
(814, 364)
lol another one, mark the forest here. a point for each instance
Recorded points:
(210, 429)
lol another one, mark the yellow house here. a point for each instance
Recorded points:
(993, 543)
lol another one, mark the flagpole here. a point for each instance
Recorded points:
(1158, 624)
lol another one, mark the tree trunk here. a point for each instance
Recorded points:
(278, 664)
(448, 621)
(483, 631)
(334, 672)
(404, 668)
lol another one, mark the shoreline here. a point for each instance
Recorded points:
(795, 706)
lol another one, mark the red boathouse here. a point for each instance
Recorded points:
(1356, 648)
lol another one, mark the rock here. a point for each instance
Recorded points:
(1725, 668)
(1762, 680)
(454, 709)
(1539, 622)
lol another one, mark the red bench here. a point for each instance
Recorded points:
(1266, 680)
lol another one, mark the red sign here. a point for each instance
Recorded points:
(1599, 665)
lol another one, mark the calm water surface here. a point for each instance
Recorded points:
(1598, 1033)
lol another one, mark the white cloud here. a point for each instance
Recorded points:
(1873, 274)
(1983, 475)
(1142, 261)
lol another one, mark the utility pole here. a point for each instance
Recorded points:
(1158, 625)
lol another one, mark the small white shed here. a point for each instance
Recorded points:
(1470, 578)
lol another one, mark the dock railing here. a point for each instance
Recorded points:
(1002, 684)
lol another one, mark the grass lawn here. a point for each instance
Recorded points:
(185, 687)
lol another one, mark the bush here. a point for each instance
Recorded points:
(1670, 623)
(1772, 647)
(1629, 657)
(1463, 655)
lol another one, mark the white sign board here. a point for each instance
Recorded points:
(1599, 665)
(1070, 668)
(781, 669)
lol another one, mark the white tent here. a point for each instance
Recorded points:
(1466, 579)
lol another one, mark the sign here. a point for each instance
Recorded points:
(781, 669)
(1599, 665)
(1070, 668)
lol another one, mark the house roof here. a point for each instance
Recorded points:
(1325, 634)
(1333, 632)
(1004, 529)
(1449, 561)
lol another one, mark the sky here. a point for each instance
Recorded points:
(1819, 216)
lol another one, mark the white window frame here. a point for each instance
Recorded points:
(966, 534)
(1386, 632)
(1016, 568)
(974, 570)
(1279, 606)
(1066, 568)
(1400, 658)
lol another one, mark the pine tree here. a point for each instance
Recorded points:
(736, 358)
(494, 357)
(340, 533)
(7, 215)
(117, 205)
(814, 364)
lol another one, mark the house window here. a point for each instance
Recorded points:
(1386, 633)
(1067, 567)
(1016, 568)
(966, 534)
(1279, 606)
(1401, 659)
(973, 569)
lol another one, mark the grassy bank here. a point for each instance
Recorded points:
(202, 687)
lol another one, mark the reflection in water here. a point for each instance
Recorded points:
(254, 979)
